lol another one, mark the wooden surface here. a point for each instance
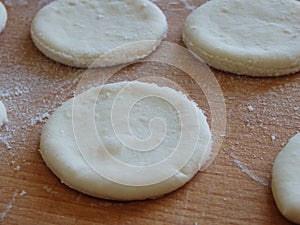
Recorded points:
(235, 189)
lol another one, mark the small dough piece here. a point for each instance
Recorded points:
(98, 33)
(286, 180)
(3, 114)
(255, 38)
(74, 153)
(3, 17)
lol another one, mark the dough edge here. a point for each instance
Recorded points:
(3, 17)
(126, 193)
(289, 206)
(238, 62)
(107, 59)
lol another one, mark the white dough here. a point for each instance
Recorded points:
(98, 33)
(256, 38)
(3, 17)
(286, 180)
(3, 114)
(126, 141)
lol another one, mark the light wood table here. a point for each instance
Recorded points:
(262, 114)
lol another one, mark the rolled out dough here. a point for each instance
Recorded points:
(286, 180)
(256, 38)
(98, 33)
(126, 141)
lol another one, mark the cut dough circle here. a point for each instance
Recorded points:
(98, 33)
(255, 38)
(126, 141)
(3, 17)
(286, 180)
(3, 114)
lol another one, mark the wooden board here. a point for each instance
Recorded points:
(262, 114)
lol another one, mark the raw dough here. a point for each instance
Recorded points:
(169, 133)
(98, 33)
(286, 180)
(3, 17)
(256, 38)
(3, 114)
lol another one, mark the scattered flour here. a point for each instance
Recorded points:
(188, 5)
(3, 114)
(40, 118)
(250, 108)
(23, 192)
(49, 190)
(8, 206)
(25, 100)
(4, 139)
(17, 168)
(248, 172)
(15, 2)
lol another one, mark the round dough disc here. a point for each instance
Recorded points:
(98, 33)
(255, 38)
(3, 17)
(126, 141)
(286, 180)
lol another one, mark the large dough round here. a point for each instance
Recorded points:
(286, 180)
(3, 17)
(76, 137)
(256, 38)
(98, 33)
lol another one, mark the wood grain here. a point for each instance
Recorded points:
(235, 189)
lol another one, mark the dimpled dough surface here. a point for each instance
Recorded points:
(78, 32)
(286, 180)
(68, 136)
(256, 38)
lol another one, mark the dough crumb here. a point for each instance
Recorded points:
(17, 168)
(23, 192)
(250, 108)
(3, 115)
